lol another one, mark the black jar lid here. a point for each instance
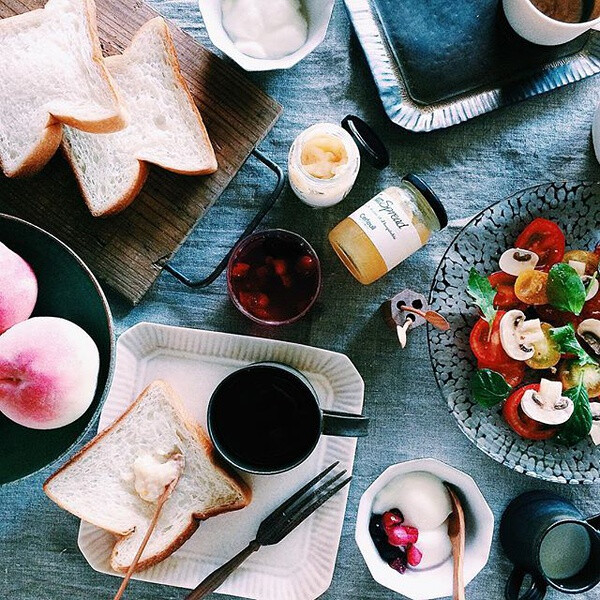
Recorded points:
(430, 196)
(368, 142)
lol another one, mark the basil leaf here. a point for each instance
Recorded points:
(565, 289)
(579, 425)
(569, 344)
(489, 388)
(482, 292)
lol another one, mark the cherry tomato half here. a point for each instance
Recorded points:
(504, 284)
(546, 239)
(557, 317)
(519, 422)
(512, 371)
(531, 287)
(488, 348)
(591, 309)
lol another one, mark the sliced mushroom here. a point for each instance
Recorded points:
(578, 266)
(595, 432)
(518, 335)
(517, 260)
(591, 285)
(589, 331)
(547, 406)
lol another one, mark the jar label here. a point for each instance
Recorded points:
(389, 227)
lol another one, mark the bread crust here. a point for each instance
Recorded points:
(50, 138)
(196, 518)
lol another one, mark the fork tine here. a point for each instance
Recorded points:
(317, 501)
(292, 499)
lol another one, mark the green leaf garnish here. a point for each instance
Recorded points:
(579, 425)
(565, 289)
(482, 292)
(569, 344)
(489, 387)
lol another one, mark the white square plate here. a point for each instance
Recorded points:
(194, 362)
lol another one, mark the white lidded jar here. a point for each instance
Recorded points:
(323, 164)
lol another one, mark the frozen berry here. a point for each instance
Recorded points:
(388, 553)
(240, 270)
(376, 529)
(287, 281)
(280, 266)
(413, 555)
(306, 264)
(262, 300)
(399, 563)
(402, 535)
(246, 299)
(391, 518)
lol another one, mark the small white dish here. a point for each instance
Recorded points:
(194, 362)
(318, 13)
(435, 582)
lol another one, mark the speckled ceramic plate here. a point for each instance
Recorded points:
(575, 206)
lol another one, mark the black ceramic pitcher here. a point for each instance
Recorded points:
(528, 524)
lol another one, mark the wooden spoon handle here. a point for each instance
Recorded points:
(459, 582)
(161, 501)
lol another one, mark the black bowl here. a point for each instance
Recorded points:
(67, 289)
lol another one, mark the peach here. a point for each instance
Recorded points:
(48, 372)
(18, 289)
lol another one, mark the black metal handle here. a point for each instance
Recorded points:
(595, 522)
(260, 215)
(344, 424)
(536, 591)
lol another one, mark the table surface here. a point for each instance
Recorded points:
(470, 166)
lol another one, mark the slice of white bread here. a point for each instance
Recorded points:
(51, 72)
(97, 484)
(165, 126)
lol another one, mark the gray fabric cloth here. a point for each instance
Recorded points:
(470, 166)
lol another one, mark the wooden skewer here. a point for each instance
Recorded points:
(159, 506)
(456, 533)
(430, 316)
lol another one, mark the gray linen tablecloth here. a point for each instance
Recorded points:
(470, 166)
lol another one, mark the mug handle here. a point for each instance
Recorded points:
(536, 591)
(344, 424)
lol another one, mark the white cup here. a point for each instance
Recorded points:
(538, 28)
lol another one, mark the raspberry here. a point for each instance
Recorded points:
(402, 535)
(413, 555)
(240, 270)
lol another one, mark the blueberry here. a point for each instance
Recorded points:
(388, 552)
(376, 529)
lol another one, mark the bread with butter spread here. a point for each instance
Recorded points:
(98, 483)
(165, 127)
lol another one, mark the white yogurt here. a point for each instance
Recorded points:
(435, 545)
(421, 497)
(267, 29)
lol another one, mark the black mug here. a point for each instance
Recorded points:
(549, 540)
(265, 418)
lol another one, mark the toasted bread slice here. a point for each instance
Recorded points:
(51, 73)
(98, 483)
(165, 126)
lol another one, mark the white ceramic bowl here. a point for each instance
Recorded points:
(317, 11)
(435, 582)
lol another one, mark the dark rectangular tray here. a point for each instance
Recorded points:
(437, 63)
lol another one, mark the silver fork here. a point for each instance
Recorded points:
(278, 524)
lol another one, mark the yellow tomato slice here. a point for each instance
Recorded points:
(531, 287)
(547, 353)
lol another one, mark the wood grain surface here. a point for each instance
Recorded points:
(127, 251)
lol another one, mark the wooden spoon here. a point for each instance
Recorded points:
(166, 494)
(456, 533)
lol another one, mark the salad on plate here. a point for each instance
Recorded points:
(537, 339)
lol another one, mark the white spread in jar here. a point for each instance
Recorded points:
(268, 29)
(153, 475)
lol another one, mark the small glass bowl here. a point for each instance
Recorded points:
(274, 277)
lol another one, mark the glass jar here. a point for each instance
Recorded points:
(388, 228)
(323, 164)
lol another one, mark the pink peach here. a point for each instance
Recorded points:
(18, 289)
(48, 372)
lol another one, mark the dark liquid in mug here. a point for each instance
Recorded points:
(265, 418)
(568, 11)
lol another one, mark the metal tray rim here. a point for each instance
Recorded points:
(407, 113)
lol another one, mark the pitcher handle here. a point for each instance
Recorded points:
(595, 522)
(344, 424)
(536, 591)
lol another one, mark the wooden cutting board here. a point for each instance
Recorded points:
(127, 251)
